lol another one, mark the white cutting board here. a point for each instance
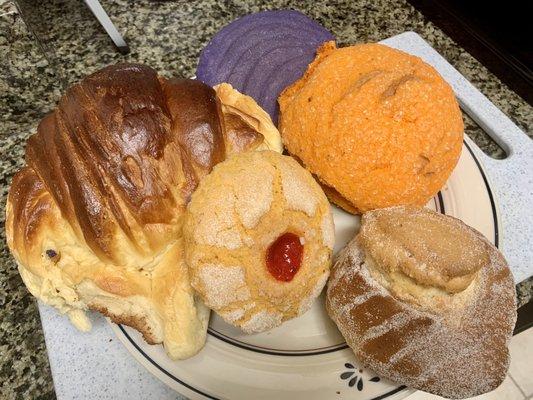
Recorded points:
(96, 365)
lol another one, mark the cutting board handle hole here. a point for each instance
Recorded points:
(484, 141)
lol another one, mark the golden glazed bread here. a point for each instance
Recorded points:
(247, 124)
(94, 220)
(376, 126)
(426, 301)
(234, 217)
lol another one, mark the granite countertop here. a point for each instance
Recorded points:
(60, 42)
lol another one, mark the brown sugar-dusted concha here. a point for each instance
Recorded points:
(377, 127)
(426, 301)
(94, 219)
(258, 240)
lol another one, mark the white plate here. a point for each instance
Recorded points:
(225, 370)
(305, 357)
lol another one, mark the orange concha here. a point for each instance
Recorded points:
(379, 126)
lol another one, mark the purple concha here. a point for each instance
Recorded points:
(261, 54)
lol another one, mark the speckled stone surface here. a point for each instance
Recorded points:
(168, 36)
(24, 369)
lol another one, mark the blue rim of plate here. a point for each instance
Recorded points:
(257, 349)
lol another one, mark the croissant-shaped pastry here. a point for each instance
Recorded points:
(94, 220)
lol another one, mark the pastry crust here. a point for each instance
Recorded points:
(95, 219)
(246, 124)
(237, 212)
(377, 126)
(389, 298)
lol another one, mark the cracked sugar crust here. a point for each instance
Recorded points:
(298, 193)
(236, 213)
(262, 321)
(254, 200)
(223, 285)
(217, 228)
(455, 349)
(328, 231)
(306, 304)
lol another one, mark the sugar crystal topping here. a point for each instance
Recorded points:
(223, 284)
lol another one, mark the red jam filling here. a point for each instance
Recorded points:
(284, 257)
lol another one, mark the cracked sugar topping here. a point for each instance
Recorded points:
(223, 284)
(258, 234)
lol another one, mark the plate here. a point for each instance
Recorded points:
(306, 357)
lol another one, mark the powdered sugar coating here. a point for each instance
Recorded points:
(457, 351)
(233, 316)
(328, 231)
(262, 321)
(307, 302)
(223, 285)
(220, 231)
(257, 197)
(254, 197)
(424, 254)
(298, 193)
